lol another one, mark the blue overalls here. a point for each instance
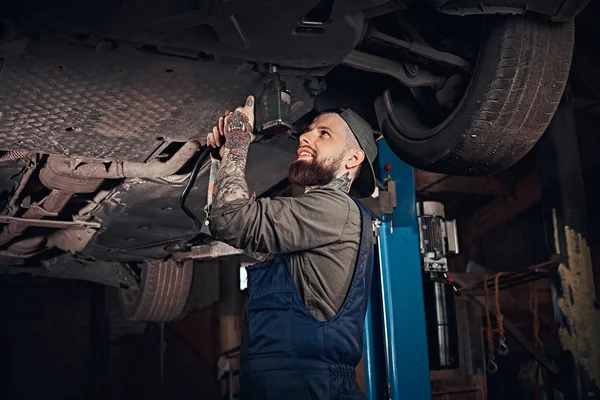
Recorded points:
(286, 353)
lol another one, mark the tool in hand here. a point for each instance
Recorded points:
(274, 112)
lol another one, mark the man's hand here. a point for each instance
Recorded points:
(233, 126)
(233, 135)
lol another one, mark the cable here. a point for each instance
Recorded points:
(499, 316)
(502, 348)
(188, 188)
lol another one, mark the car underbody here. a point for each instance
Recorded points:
(104, 107)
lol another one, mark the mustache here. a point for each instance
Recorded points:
(312, 151)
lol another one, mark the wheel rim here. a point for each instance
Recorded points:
(409, 116)
(130, 295)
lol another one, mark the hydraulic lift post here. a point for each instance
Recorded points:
(396, 313)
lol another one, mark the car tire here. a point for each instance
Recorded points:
(163, 291)
(518, 81)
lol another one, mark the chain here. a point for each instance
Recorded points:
(502, 347)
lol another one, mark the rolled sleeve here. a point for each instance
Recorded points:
(282, 225)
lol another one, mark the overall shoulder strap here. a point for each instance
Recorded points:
(367, 246)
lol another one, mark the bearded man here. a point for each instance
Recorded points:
(307, 298)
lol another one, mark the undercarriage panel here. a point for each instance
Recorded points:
(72, 100)
(300, 33)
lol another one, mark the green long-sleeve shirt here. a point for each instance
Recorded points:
(319, 229)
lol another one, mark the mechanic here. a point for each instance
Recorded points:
(303, 328)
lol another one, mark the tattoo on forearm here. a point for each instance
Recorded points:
(237, 136)
(231, 184)
(231, 181)
(342, 182)
(214, 170)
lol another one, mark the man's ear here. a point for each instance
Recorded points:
(355, 158)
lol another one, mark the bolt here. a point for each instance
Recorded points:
(413, 69)
(316, 87)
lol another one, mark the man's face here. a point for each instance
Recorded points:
(321, 153)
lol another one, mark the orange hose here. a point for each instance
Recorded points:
(490, 333)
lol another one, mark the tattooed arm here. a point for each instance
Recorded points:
(230, 181)
(236, 129)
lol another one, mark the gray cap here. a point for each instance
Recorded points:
(364, 184)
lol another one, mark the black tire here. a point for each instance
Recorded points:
(164, 289)
(519, 78)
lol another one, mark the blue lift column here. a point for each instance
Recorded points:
(399, 306)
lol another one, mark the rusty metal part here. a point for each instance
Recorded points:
(85, 212)
(27, 246)
(206, 251)
(73, 239)
(55, 178)
(107, 273)
(53, 203)
(12, 206)
(65, 166)
(176, 179)
(16, 155)
(47, 223)
(8, 258)
(370, 63)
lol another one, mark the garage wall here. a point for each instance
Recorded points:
(45, 342)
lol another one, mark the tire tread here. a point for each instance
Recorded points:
(522, 99)
(518, 83)
(164, 291)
